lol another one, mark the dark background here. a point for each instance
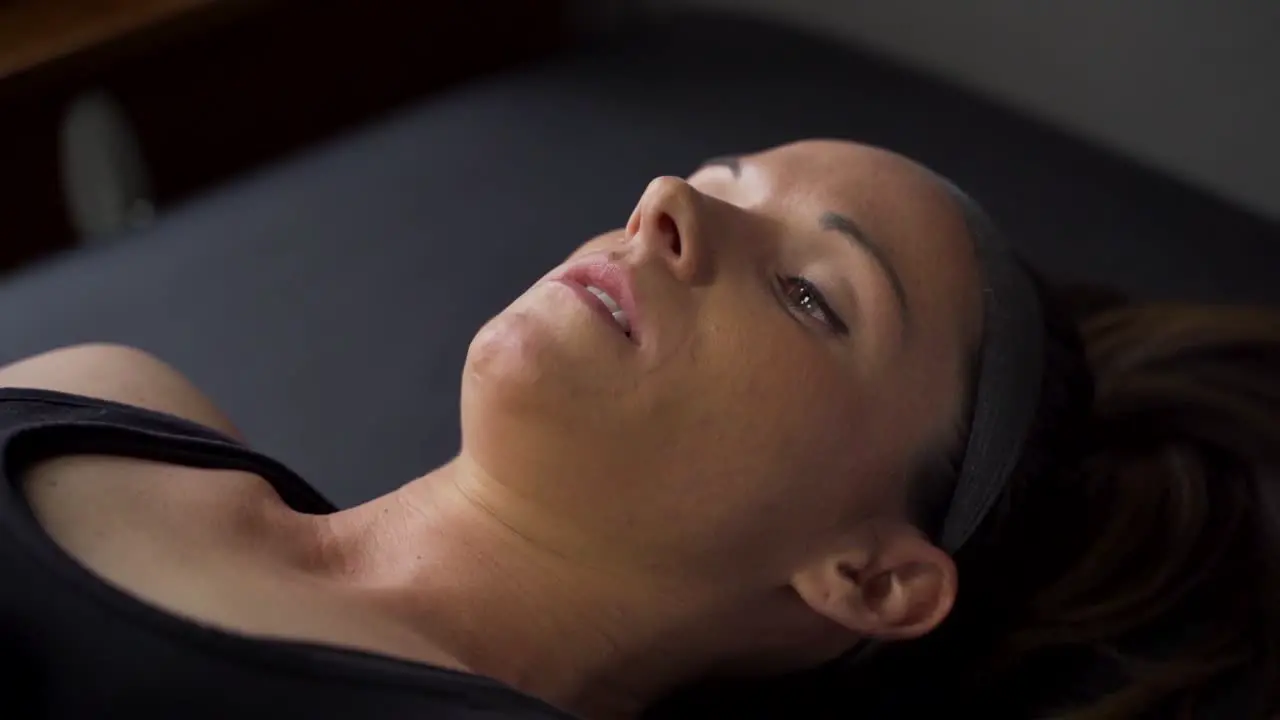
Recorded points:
(216, 89)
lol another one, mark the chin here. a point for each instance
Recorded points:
(547, 347)
(543, 374)
(517, 373)
(511, 349)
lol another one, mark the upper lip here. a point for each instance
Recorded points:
(611, 277)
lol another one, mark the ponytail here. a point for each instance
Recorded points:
(1133, 566)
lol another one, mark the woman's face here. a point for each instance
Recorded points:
(799, 326)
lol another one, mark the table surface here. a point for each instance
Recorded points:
(34, 33)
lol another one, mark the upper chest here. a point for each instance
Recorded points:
(203, 545)
(179, 538)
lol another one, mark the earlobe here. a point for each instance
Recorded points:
(902, 588)
(913, 597)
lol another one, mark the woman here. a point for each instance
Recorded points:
(801, 414)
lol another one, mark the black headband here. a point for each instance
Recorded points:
(1006, 392)
(1009, 375)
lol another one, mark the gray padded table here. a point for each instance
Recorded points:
(327, 302)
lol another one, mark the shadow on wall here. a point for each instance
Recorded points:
(1184, 85)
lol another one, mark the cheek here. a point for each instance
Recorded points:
(780, 434)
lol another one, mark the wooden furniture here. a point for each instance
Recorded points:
(36, 36)
(215, 88)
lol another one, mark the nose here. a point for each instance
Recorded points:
(666, 224)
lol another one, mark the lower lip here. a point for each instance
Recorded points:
(595, 304)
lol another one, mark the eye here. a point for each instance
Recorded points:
(805, 297)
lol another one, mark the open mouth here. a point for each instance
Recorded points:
(611, 305)
(606, 287)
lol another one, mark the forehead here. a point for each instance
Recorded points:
(879, 183)
(902, 204)
(919, 229)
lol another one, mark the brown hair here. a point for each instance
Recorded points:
(1132, 566)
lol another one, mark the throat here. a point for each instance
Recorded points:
(486, 599)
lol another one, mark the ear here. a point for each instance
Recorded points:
(894, 585)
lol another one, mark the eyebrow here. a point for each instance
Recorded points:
(860, 239)
(843, 225)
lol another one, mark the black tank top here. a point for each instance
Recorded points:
(75, 647)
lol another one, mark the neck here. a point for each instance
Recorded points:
(456, 558)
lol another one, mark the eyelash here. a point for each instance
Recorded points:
(803, 296)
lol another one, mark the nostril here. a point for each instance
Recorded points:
(668, 228)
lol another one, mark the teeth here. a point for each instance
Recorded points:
(619, 316)
(608, 301)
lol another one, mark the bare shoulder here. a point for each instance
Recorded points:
(121, 374)
(83, 495)
(148, 526)
(201, 544)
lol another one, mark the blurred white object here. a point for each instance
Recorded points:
(104, 178)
